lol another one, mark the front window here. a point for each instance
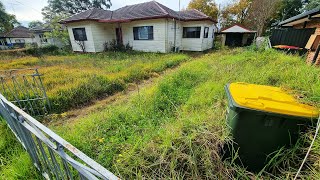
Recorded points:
(79, 34)
(143, 33)
(206, 32)
(43, 39)
(19, 41)
(191, 32)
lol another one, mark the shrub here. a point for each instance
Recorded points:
(115, 46)
(40, 51)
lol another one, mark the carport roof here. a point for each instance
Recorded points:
(237, 28)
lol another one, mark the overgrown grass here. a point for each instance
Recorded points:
(74, 80)
(176, 128)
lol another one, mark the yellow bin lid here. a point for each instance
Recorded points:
(269, 99)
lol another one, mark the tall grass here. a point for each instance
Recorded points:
(176, 129)
(74, 80)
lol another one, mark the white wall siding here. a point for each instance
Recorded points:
(163, 35)
(89, 44)
(171, 34)
(13, 40)
(102, 33)
(158, 44)
(197, 44)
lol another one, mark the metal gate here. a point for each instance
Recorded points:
(24, 88)
(53, 156)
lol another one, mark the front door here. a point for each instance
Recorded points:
(119, 35)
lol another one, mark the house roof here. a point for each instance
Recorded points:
(41, 29)
(147, 10)
(237, 28)
(19, 32)
(301, 18)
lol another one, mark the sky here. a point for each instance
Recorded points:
(30, 10)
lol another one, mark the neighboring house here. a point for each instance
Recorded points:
(237, 35)
(149, 26)
(306, 30)
(40, 38)
(20, 36)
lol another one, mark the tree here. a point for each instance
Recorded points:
(311, 4)
(260, 14)
(208, 7)
(288, 9)
(235, 13)
(58, 32)
(67, 7)
(7, 21)
(34, 24)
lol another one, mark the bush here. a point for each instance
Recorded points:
(40, 51)
(115, 46)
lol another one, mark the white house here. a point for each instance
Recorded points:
(20, 36)
(150, 27)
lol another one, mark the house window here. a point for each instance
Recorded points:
(79, 34)
(43, 39)
(191, 32)
(2, 42)
(143, 33)
(19, 41)
(206, 32)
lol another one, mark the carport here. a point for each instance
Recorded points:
(237, 36)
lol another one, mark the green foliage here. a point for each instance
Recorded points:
(7, 21)
(34, 24)
(58, 33)
(115, 46)
(63, 7)
(312, 4)
(208, 7)
(40, 51)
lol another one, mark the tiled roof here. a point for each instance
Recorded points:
(19, 32)
(147, 10)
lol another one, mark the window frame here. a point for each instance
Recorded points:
(19, 41)
(77, 37)
(137, 34)
(206, 35)
(43, 38)
(197, 33)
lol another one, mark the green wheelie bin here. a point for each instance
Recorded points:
(263, 119)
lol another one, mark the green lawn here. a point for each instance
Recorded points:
(175, 127)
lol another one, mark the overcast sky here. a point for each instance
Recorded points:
(30, 10)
